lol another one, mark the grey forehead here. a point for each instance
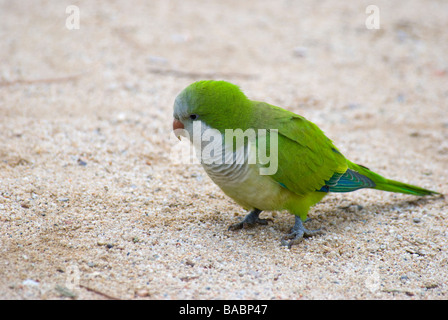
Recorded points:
(180, 107)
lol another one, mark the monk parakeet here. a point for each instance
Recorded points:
(267, 158)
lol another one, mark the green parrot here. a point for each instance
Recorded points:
(306, 165)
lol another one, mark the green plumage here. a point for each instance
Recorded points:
(306, 157)
(309, 164)
(390, 185)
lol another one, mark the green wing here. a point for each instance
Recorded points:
(307, 159)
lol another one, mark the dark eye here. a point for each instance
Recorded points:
(193, 116)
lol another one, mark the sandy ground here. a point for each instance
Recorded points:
(92, 205)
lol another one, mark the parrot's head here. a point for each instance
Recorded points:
(216, 104)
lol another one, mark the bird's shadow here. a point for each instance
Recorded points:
(355, 213)
(330, 217)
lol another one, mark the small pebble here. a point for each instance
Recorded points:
(189, 263)
(64, 291)
(143, 293)
(300, 52)
(30, 282)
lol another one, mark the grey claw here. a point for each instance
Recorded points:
(250, 221)
(298, 232)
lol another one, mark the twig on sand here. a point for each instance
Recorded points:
(208, 75)
(41, 80)
(99, 292)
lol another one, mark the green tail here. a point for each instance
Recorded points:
(396, 186)
(384, 184)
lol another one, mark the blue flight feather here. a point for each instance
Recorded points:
(347, 182)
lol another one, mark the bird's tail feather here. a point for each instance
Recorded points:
(397, 186)
(384, 184)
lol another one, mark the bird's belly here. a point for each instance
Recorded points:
(244, 184)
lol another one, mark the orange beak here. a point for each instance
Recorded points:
(177, 125)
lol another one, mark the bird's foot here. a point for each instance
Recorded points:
(250, 221)
(298, 232)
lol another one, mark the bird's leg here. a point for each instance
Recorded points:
(250, 221)
(298, 232)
